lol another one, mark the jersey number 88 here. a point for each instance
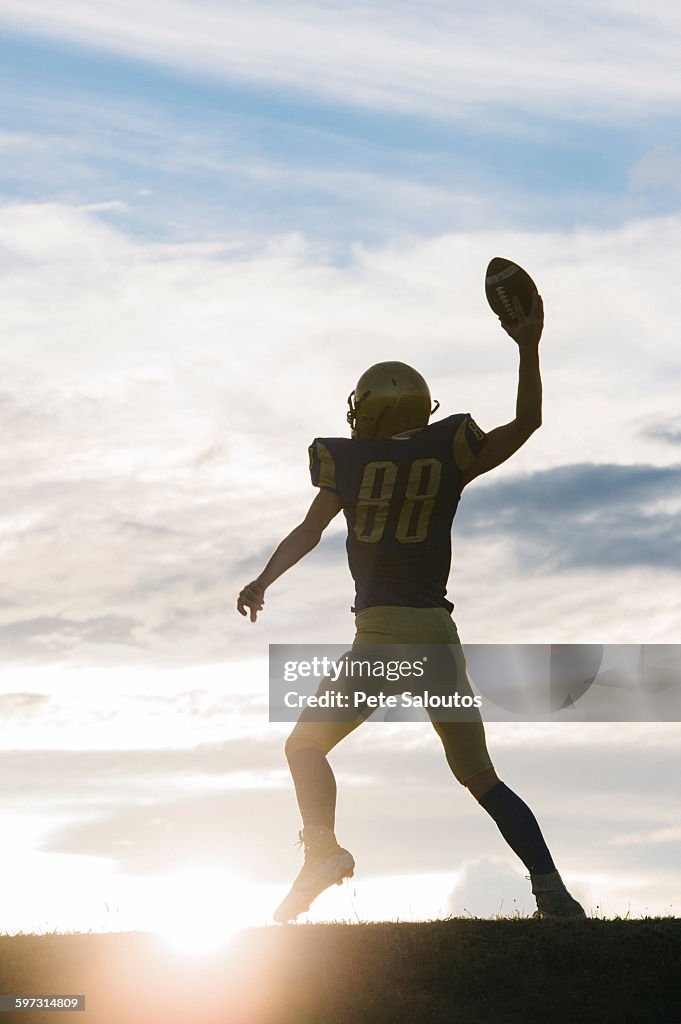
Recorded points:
(375, 494)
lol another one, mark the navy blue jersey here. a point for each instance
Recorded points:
(399, 496)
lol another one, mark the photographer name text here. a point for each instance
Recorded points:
(359, 699)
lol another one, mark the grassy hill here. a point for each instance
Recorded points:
(460, 970)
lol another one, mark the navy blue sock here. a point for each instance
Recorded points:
(519, 827)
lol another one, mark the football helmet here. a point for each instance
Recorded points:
(389, 398)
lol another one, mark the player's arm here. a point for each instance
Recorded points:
(504, 441)
(299, 542)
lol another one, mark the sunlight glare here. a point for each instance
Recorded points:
(198, 912)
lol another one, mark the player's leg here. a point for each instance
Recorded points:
(326, 862)
(520, 829)
(513, 818)
(467, 755)
(314, 782)
(313, 778)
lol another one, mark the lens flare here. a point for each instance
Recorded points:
(198, 912)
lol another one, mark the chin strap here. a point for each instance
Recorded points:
(353, 405)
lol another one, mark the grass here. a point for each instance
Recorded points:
(441, 972)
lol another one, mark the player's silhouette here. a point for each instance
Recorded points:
(399, 480)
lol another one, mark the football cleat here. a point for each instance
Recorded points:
(389, 398)
(553, 899)
(326, 864)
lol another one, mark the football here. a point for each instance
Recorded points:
(505, 281)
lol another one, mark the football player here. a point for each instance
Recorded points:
(398, 480)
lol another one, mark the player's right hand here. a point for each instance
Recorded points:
(528, 328)
(252, 597)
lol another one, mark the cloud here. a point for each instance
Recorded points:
(158, 400)
(660, 168)
(669, 834)
(493, 887)
(96, 777)
(592, 516)
(577, 62)
(140, 713)
(154, 810)
(668, 430)
(53, 634)
(158, 811)
(22, 704)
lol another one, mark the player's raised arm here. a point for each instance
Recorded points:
(299, 542)
(502, 442)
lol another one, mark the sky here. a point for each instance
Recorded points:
(213, 217)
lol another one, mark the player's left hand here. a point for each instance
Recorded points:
(252, 597)
(528, 329)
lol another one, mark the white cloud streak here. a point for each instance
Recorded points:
(575, 61)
